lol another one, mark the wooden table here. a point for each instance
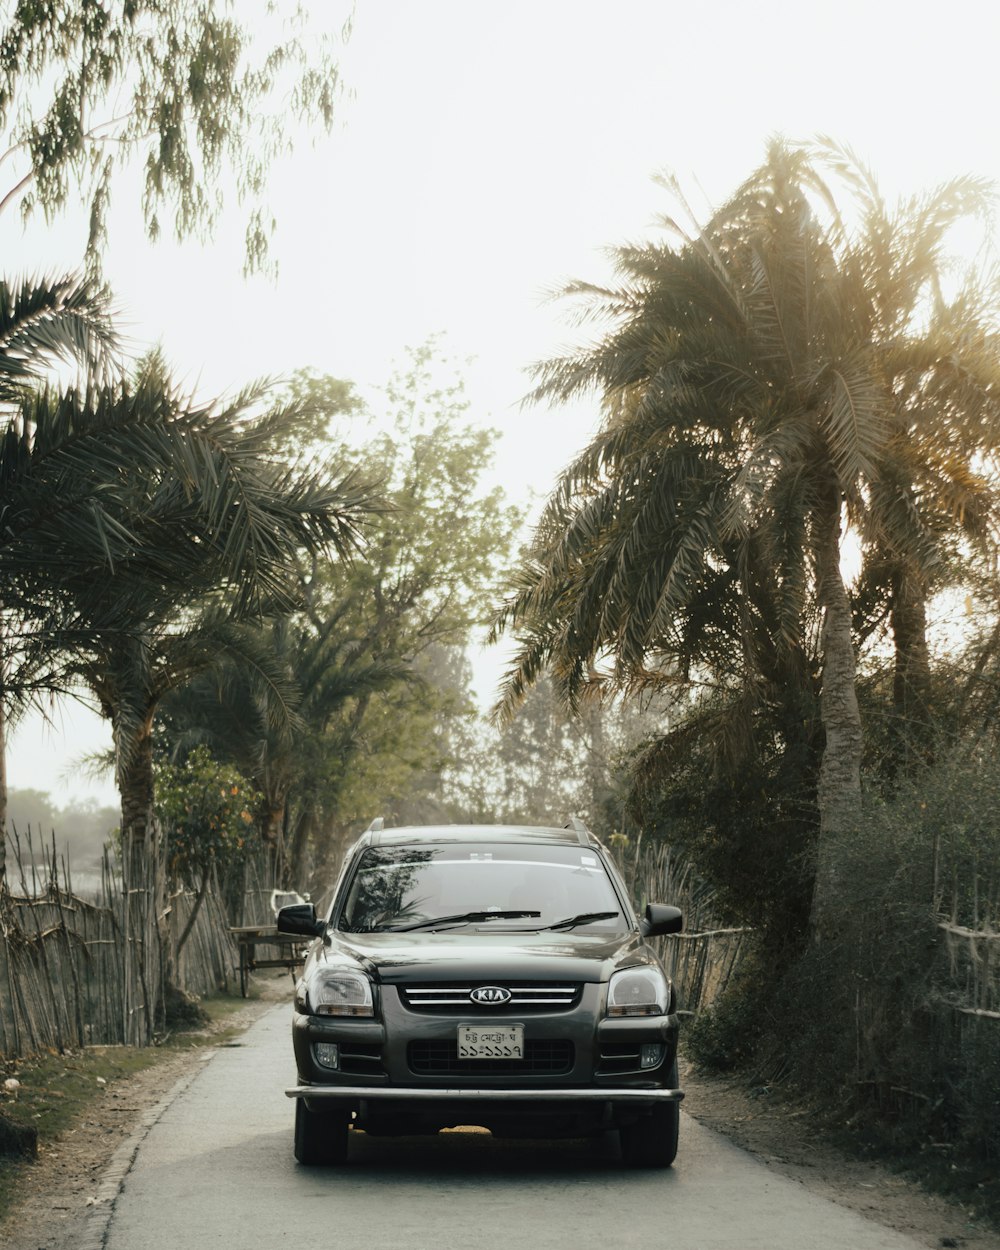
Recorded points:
(249, 937)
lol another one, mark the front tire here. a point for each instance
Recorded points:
(651, 1142)
(320, 1140)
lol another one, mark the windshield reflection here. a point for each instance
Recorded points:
(398, 887)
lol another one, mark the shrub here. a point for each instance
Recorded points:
(207, 810)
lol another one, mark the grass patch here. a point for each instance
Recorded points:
(57, 1090)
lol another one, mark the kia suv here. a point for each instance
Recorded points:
(488, 975)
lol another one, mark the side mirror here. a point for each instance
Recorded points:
(300, 919)
(660, 918)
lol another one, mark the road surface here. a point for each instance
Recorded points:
(215, 1169)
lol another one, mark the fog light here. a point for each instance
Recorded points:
(651, 1056)
(327, 1054)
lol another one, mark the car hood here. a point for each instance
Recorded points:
(398, 957)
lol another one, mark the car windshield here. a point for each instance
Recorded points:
(399, 887)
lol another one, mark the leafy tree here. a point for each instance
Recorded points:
(200, 95)
(214, 546)
(754, 400)
(546, 764)
(375, 650)
(433, 561)
(271, 717)
(206, 810)
(203, 524)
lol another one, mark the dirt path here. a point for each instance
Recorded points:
(67, 1178)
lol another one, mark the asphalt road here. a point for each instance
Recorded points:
(216, 1169)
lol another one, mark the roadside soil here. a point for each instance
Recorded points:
(66, 1177)
(782, 1136)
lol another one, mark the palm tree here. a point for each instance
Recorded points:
(282, 726)
(44, 324)
(214, 540)
(751, 380)
(939, 377)
(202, 526)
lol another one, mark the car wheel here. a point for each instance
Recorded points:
(320, 1139)
(652, 1141)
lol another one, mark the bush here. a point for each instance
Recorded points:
(727, 1036)
(207, 810)
(878, 1021)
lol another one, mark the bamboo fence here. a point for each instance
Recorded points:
(77, 971)
(703, 958)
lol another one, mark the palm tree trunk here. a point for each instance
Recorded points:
(911, 683)
(302, 835)
(839, 789)
(3, 792)
(597, 754)
(273, 832)
(148, 920)
(135, 785)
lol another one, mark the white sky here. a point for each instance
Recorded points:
(491, 151)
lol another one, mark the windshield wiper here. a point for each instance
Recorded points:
(585, 917)
(467, 917)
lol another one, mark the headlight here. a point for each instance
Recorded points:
(340, 993)
(642, 991)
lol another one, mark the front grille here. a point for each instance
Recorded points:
(526, 996)
(440, 1058)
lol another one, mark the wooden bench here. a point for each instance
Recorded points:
(249, 937)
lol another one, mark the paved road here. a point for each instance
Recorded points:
(216, 1169)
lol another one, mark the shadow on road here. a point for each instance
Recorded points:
(472, 1153)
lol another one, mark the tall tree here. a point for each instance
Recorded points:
(213, 545)
(751, 414)
(375, 650)
(934, 331)
(43, 324)
(200, 95)
(268, 707)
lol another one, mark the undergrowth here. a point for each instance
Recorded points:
(888, 1028)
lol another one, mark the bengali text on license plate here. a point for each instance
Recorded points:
(476, 1041)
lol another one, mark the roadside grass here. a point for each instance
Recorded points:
(56, 1090)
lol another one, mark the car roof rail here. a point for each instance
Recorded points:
(580, 829)
(377, 825)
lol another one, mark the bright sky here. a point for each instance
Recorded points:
(491, 151)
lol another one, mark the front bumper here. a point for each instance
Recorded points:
(378, 1081)
(349, 1093)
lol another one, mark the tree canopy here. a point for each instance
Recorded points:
(203, 96)
(768, 376)
(375, 655)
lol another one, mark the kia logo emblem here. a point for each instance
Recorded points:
(490, 995)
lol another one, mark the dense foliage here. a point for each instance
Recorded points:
(782, 370)
(207, 810)
(801, 382)
(370, 666)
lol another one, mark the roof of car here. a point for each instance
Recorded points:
(408, 834)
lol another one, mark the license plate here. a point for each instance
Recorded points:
(479, 1041)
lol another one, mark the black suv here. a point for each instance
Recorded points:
(490, 975)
